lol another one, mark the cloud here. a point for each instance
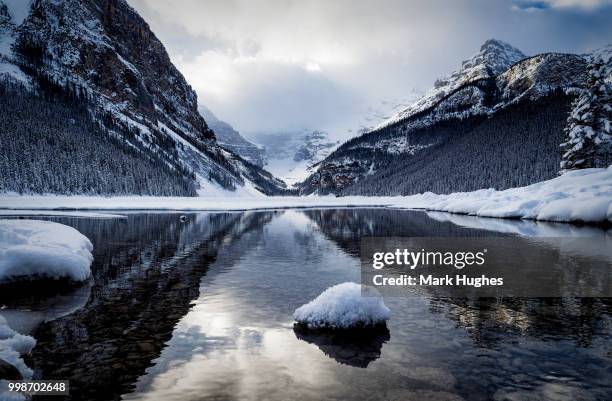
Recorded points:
(276, 64)
(271, 96)
(534, 5)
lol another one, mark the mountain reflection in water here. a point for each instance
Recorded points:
(351, 347)
(202, 309)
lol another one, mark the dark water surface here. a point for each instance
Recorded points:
(202, 310)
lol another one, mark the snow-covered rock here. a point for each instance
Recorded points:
(13, 345)
(43, 249)
(343, 306)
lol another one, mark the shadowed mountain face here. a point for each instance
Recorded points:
(147, 271)
(104, 55)
(230, 139)
(496, 122)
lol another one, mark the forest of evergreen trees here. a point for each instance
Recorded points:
(518, 146)
(588, 135)
(51, 144)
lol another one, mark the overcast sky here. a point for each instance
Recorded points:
(281, 65)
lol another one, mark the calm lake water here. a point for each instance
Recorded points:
(202, 310)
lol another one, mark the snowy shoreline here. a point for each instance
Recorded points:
(581, 196)
(36, 249)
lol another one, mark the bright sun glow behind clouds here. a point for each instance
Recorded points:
(272, 65)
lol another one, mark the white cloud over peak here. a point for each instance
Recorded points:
(274, 65)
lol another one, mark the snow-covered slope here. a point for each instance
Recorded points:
(104, 52)
(231, 139)
(11, 15)
(291, 156)
(604, 53)
(497, 111)
(576, 196)
(494, 57)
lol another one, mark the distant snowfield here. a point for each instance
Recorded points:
(289, 170)
(578, 196)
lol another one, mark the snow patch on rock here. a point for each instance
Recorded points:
(13, 345)
(43, 249)
(18, 9)
(343, 306)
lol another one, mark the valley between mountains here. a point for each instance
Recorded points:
(92, 105)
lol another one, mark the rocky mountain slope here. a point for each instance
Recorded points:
(496, 122)
(494, 58)
(104, 55)
(231, 139)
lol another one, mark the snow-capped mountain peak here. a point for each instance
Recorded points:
(494, 57)
(498, 95)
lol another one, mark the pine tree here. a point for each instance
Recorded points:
(588, 137)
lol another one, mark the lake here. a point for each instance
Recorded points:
(201, 309)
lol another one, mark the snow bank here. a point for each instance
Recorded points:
(343, 307)
(43, 249)
(580, 195)
(13, 345)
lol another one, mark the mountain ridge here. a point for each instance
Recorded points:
(105, 51)
(548, 80)
(494, 57)
(230, 139)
